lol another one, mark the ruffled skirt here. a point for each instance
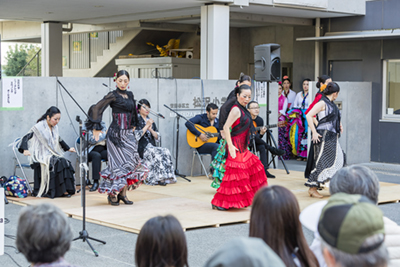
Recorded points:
(244, 175)
(328, 157)
(159, 162)
(61, 178)
(218, 164)
(125, 167)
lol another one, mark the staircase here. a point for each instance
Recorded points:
(103, 60)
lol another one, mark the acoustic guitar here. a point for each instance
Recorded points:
(195, 142)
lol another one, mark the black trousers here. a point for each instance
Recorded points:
(209, 148)
(263, 155)
(95, 156)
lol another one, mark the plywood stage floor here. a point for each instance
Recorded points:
(189, 202)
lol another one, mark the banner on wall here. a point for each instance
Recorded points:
(12, 93)
(260, 93)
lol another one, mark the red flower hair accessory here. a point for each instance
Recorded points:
(115, 77)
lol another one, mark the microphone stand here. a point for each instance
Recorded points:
(177, 143)
(84, 235)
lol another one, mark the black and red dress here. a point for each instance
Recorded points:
(244, 174)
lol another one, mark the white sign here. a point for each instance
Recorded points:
(12, 93)
(260, 93)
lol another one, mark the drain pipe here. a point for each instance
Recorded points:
(69, 29)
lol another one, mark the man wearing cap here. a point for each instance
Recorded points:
(352, 232)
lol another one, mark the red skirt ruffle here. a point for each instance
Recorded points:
(244, 175)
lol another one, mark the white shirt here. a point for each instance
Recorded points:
(299, 100)
(290, 98)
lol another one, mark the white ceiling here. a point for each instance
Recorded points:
(111, 11)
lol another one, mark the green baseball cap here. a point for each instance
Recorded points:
(348, 220)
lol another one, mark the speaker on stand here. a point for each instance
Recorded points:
(267, 64)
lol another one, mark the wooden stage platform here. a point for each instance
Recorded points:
(189, 202)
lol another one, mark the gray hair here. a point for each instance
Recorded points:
(44, 234)
(355, 179)
(378, 257)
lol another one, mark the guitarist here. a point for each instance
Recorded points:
(260, 144)
(207, 119)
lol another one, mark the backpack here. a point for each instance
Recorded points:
(16, 187)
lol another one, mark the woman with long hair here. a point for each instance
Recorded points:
(161, 243)
(53, 174)
(275, 219)
(218, 163)
(328, 155)
(124, 169)
(157, 159)
(244, 172)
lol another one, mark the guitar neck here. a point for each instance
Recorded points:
(267, 126)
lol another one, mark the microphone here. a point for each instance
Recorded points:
(159, 114)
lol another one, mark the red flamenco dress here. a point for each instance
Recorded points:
(245, 174)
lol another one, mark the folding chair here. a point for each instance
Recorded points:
(199, 155)
(18, 164)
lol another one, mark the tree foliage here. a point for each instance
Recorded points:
(18, 57)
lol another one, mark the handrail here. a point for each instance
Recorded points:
(37, 53)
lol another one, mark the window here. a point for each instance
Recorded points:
(391, 90)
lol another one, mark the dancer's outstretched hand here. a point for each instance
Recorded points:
(232, 151)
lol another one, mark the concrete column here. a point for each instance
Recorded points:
(51, 49)
(214, 56)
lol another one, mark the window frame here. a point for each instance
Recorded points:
(386, 117)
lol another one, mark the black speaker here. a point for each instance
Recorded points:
(267, 62)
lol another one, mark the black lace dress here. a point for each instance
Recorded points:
(125, 166)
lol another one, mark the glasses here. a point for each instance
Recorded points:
(255, 108)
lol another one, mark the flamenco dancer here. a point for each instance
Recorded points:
(321, 85)
(125, 170)
(244, 172)
(328, 155)
(218, 162)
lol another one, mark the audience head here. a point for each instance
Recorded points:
(275, 219)
(332, 89)
(161, 242)
(143, 107)
(43, 234)
(352, 232)
(356, 179)
(245, 251)
(52, 116)
(324, 79)
(212, 111)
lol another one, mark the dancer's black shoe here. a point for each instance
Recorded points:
(95, 186)
(269, 175)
